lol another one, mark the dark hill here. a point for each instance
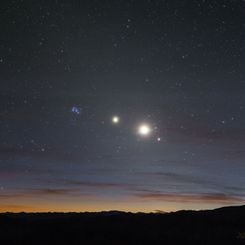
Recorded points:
(219, 226)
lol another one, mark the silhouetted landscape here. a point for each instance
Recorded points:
(219, 226)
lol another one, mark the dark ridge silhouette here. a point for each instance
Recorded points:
(220, 226)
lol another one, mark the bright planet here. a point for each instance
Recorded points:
(144, 129)
(115, 119)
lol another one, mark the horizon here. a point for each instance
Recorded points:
(127, 212)
(26, 209)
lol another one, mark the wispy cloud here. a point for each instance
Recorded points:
(39, 192)
(218, 198)
(98, 184)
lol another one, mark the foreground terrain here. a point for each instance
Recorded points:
(220, 226)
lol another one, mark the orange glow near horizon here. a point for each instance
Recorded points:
(133, 206)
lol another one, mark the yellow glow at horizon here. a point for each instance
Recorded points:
(130, 206)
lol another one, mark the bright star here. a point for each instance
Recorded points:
(115, 119)
(158, 139)
(144, 129)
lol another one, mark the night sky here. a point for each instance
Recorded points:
(127, 105)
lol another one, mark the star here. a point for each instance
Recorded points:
(144, 129)
(158, 139)
(115, 119)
